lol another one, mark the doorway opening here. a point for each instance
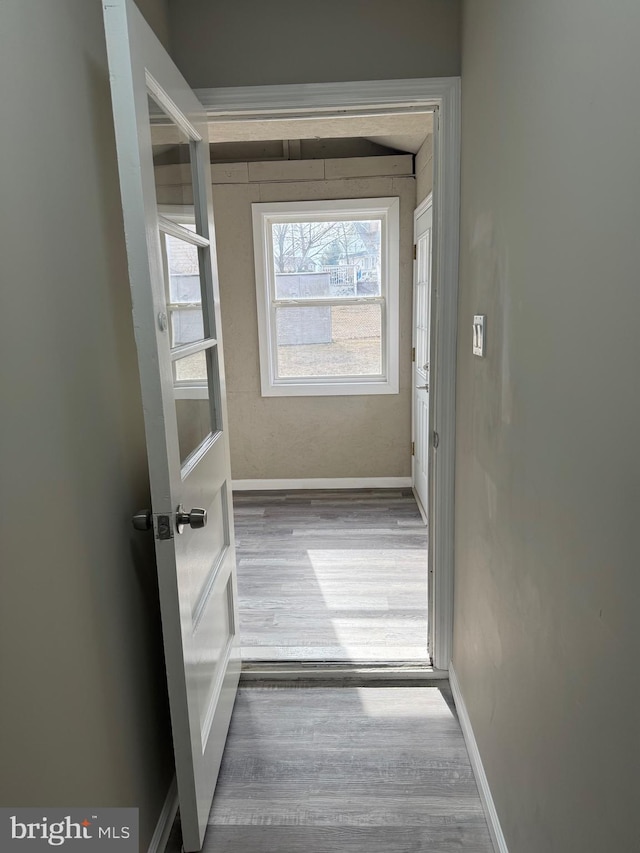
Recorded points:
(327, 310)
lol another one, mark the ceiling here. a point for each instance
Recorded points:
(404, 132)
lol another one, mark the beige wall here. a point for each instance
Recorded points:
(548, 469)
(83, 715)
(284, 437)
(424, 169)
(253, 42)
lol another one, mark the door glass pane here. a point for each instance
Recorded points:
(195, 409)
(184, 294)
(191, 369)
(336, 340)
(171, 160)
(326, 259)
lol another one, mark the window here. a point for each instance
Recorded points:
(327, 293)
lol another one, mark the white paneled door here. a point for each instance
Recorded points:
(422, 360)
(161, 128)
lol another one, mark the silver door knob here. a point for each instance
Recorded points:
(142, 520)
(425, 367)
(422, 387)
(196, 519)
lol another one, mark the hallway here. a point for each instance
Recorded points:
(332, 575)
(310, 769)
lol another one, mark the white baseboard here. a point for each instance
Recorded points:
(499, 844)
(322, 483)
(165, 821)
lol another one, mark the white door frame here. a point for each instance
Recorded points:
(442, 94)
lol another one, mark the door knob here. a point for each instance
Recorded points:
(142, 519)
(422, 387)
(196, 519)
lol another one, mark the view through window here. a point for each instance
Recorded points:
(325, 288)
(333, 262)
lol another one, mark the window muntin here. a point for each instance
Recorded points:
(327, 282)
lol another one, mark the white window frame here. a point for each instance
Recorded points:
(265, 214)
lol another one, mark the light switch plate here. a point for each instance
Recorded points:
(479, 338)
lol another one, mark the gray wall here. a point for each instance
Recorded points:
(156, 13)
(83, 716)
(298, 437)
(548, 468)
(253, 42)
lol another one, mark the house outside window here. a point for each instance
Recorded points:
(327, 296)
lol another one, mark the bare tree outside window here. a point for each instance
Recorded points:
(305, 246)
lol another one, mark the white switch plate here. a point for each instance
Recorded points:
(479, 323)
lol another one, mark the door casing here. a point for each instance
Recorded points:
(442, 95)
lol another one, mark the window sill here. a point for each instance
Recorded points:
(328, 389)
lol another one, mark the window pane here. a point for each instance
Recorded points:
(337, 340)
(194, 416)
(192, 368)
(326, 259)
(171, 159)
(186, 326)
(184, 297)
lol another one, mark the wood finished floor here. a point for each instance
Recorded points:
(331, 575)
(354, 770)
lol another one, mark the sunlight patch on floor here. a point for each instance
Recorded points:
(429, 702)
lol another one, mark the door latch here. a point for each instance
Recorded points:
(145, 520)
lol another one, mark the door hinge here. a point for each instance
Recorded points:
(413, 448)
(415, 252)
(413, 353)
(436, 439)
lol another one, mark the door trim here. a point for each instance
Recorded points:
(442, 95)
(384, 96)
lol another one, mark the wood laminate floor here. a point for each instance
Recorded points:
(351, 770)
(336, 576)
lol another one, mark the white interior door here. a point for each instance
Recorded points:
(172, 271)
(423, 218)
